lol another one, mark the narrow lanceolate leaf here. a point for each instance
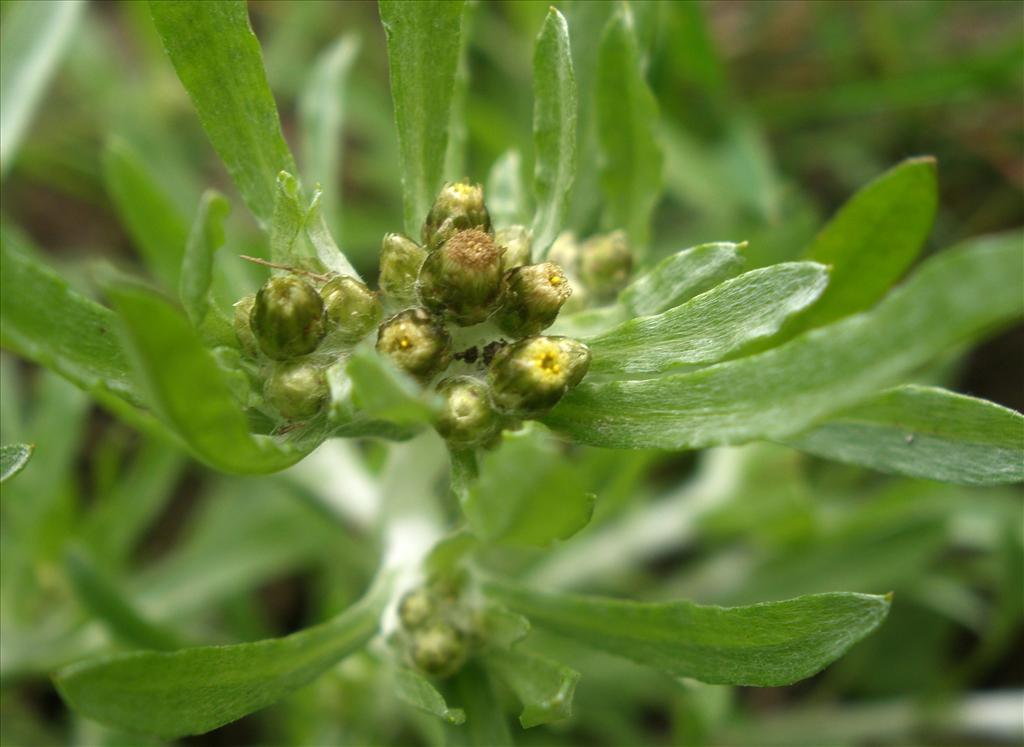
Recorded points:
(506, 193)
(322, 119)
(424, 40)
(188, 389)
(35, 36)
(554, 129)
(627, 121)
(712, 325)
(681, 276)
(101, 597)
(925, 432)
(319, 235)
(544, 687)
(485, 718)
(194, 690)
(205, 238)
(158, 230)
(417, 691)
(954, 297)
(287, 243)
(13, 458)
(506, 502)
(764, 645)
(873, 239)
(49, 323)
(218, 59)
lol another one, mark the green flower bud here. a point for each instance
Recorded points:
(531, 375)
(400, 262)
(532, 298)
(458, 207)
(467, 417)
(287, 317)
(352, 308)
(463, 277)
(517, 241)
(296, 389)
(605, 264)
(565, 252)
(416, 342)
(243, 330)
(416, 608)
(438, 650)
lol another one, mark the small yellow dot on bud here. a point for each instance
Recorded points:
(556, 279)
(404, 343)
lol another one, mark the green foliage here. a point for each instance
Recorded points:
(13, 458)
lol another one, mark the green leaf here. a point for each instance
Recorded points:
(218, 59)
(35, 37)
(49, 323)
(953, 298)
(485, 720)
(769, 644)
(424, 40)
(319, 235)
(101, 597)
(544, 687)
(712, 325)
(627, 132)
(873, 239)
(322, 111)
(159, 231)
(506, 192)
(206, 237)
(554, 129)
(13, 458)
(417, 691)
(681, 276)
(287, 222)
(194, 690)
(379, 390)
(187, 387)
(925, 432)
(524, 493)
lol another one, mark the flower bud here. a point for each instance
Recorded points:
(605, 265)
(532, 298)
(459, 206)
(517, 241)
(416, 609)
(296, 389)
(287, 317)
(531, 375)
(467, 417)
(463, 277)
(400, 262)
(416, 342)
(243, 330)
(438, 650)
(565, 252)
(352, 308)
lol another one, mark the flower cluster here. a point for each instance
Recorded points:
(438, 629)
(466, 313)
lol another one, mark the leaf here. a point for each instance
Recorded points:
(218, 59)
(712, 325)
(322, 111)
(925, 432)
(544, 687)
(627, 121)
(101, 597)
(424, 39)
(417, 691)
(13, 458)
(319, 235)
(379, 390)
(954, 297)
(194, 690)
(158, 230)
(187, 387)
(288, 222)
(681, 276)
(506, 192)
(873, 239)
(49, 323)
(485, 720)
(205, 238)
(524, 493)
(35, 37)
(554, 129)
(764, 645)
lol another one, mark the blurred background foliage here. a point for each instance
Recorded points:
(771, 115)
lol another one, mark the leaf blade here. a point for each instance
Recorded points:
(205, 238)
(418, 692)
(544, 687)
(13, 458)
